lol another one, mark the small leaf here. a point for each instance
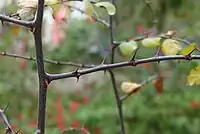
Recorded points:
(110, 8)
(151, 42)
(194, 76)
(189, 49)
(129, 87)
(127, 48)
(170, 47)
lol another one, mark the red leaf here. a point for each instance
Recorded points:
(158, 84)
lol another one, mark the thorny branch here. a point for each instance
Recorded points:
(43, 84)
(45, 79)
(104, 67)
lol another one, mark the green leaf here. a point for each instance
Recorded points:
(151, 42)
(110, 8)
(189, 49)
(127, 48)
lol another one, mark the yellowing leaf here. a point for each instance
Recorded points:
(110, 8)
(194, 76)
(129, 87)
(158, 84)
(127, 48)
(89, 8)
(170, 47)
(189, 49)
(151, 42)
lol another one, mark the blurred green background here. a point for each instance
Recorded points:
(175, 110)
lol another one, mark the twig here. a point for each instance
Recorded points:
(46, 60)
(75, 129)
(95, 18)
(151, 10)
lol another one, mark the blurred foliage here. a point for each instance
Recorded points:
(175, 110)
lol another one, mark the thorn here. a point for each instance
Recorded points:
(133, 63)
(2, 22)
(32, 30)
(75, 71)
(77, 78)
(188, 57)
(105, 71)
(103, 60)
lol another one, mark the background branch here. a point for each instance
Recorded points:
(46, 60)
(75, 129)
